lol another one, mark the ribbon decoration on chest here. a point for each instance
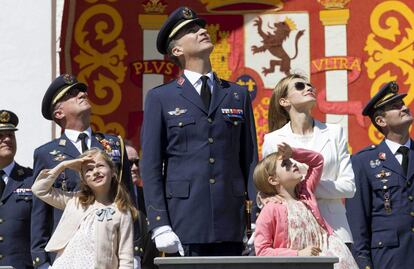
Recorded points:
(105, 213)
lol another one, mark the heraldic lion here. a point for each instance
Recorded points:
(273, 43)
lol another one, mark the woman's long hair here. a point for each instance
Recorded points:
(117, 192)
(278, 116)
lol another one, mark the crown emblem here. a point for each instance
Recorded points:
(187, 13)
(334, 4)
(68, 79)
(4, 116)
(154, 6)
(290, 23)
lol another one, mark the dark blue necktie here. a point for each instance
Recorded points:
(2, 183)
(404, 152)
(205, 92)
(82, 137)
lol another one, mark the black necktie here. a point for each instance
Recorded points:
(2, 183)
(82, 137)
(404, 152)
(205, 92)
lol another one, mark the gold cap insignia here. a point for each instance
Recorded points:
(68, 79)
(4, 116)
(394, 87)
(187, 13)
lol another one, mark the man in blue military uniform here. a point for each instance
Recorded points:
(199, 149)
(66, 102)
(381, 215)
(15, 199)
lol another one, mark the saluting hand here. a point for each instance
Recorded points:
(75, 164)
(285, 150)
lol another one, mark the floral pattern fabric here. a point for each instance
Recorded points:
(304, 231)
(80, 251)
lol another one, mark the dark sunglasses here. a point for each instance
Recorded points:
(300, 86)
(133, 161)
(286, 163)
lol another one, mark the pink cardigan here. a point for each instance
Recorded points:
(271, 235)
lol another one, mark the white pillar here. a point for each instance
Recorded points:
(335, 22)
(150, 24)
(150, 52)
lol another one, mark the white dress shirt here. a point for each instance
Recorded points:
(393, 146)
(195, 80)
(73, 136)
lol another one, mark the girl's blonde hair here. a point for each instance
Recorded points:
(117, 192)
(278, 116)
(264, 169)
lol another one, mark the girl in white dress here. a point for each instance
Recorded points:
(96, 228)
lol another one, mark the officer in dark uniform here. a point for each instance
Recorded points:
(381, 215)
(15, 199)
(66, 102)
(150, 252)
(198, 148)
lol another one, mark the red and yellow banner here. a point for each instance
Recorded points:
(110, 45)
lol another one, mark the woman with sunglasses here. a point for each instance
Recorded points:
(290, 121)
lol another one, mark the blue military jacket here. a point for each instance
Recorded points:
(15, 208)
(197, 163)
(381, 214)
(44, 217)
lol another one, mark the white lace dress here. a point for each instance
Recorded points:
(80, 251)
(304, 231)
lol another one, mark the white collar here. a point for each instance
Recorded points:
(287, 128)
(393, 146)
(194, 77)
(73, 134)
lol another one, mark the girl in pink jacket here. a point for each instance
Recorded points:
(294, 227)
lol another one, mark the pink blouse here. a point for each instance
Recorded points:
(271, 235)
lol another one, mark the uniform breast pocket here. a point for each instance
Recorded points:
(387, 194)
(22, 207)
(234, 123)
(385, 238)
(24, 198)
(177, 189)
(179, 129)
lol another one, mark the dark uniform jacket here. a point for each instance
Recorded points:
(197, 164)
(381, 215)
(45, 217)
(15, 208)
